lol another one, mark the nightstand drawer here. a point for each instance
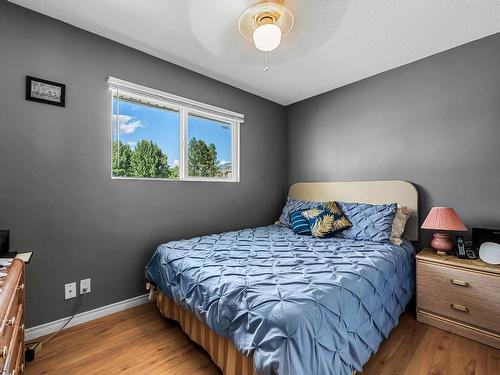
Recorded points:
(464, 295)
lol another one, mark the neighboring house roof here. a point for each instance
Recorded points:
(225, 166)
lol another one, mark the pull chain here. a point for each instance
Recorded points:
(266, 62)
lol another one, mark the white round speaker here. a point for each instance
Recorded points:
(489, 252)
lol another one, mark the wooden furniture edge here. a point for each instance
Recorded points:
(459, 328)
(428, 256)
(12, 306)
(8, 288)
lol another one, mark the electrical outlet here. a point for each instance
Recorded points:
(69, 290)
(84, 286)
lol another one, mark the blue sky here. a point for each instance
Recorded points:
(138, 122)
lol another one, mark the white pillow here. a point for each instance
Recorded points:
(398, 224)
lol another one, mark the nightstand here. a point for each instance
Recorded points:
(460, 296)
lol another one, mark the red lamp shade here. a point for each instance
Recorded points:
(443, 218)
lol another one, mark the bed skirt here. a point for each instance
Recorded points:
(223, 352)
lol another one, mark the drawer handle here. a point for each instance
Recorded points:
(21, 328)
(11, 321)
(459, 283)
(4, 352)
(455, 306)
(20, 287)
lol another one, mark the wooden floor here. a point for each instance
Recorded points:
(140, 341)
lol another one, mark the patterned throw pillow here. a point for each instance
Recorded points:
(295, 205)
(326, 219)
(399, 223)
(370, 222)
(299, 223)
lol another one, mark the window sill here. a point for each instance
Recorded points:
(190, 179)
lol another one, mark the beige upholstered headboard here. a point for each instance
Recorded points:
(374, 192)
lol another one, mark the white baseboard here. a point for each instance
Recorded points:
(51, 327)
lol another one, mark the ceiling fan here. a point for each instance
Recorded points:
(265, 24)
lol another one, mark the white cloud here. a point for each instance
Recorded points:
(128, 124)
(176, 162)
(132, 144)
(130, 127)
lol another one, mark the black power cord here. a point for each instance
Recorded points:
(30, 348)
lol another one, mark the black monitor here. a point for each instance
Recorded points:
(4, 241)
(481, 235)
(5, 245)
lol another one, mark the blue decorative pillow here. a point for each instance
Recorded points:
(370, 222)
(325, 220)
(295, 205)
(299, 223)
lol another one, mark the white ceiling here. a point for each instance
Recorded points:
(333, 43)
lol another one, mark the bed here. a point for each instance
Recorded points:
(267, 301)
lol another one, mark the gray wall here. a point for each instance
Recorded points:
(435, 122)
(56, 195)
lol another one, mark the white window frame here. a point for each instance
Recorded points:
(185, 107)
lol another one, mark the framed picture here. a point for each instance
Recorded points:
(43, 91)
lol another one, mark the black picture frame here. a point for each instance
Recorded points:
(58, 95)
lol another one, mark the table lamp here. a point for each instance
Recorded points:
(443, 219)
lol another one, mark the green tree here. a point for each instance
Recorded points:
(122, 153)
(202, 159)
(174, 172)
(148, 161)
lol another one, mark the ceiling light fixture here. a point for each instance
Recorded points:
(267, 36)
(265, 24)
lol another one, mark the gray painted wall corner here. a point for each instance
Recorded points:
(435, 123)
(56, 193)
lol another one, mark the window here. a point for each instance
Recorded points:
(209, 148)
(146, 140)
(156, 135)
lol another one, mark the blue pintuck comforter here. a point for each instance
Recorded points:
(302, 305)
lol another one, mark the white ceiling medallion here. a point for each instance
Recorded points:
(217, 31)
(265, 24)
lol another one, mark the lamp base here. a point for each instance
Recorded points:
(442, 243)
